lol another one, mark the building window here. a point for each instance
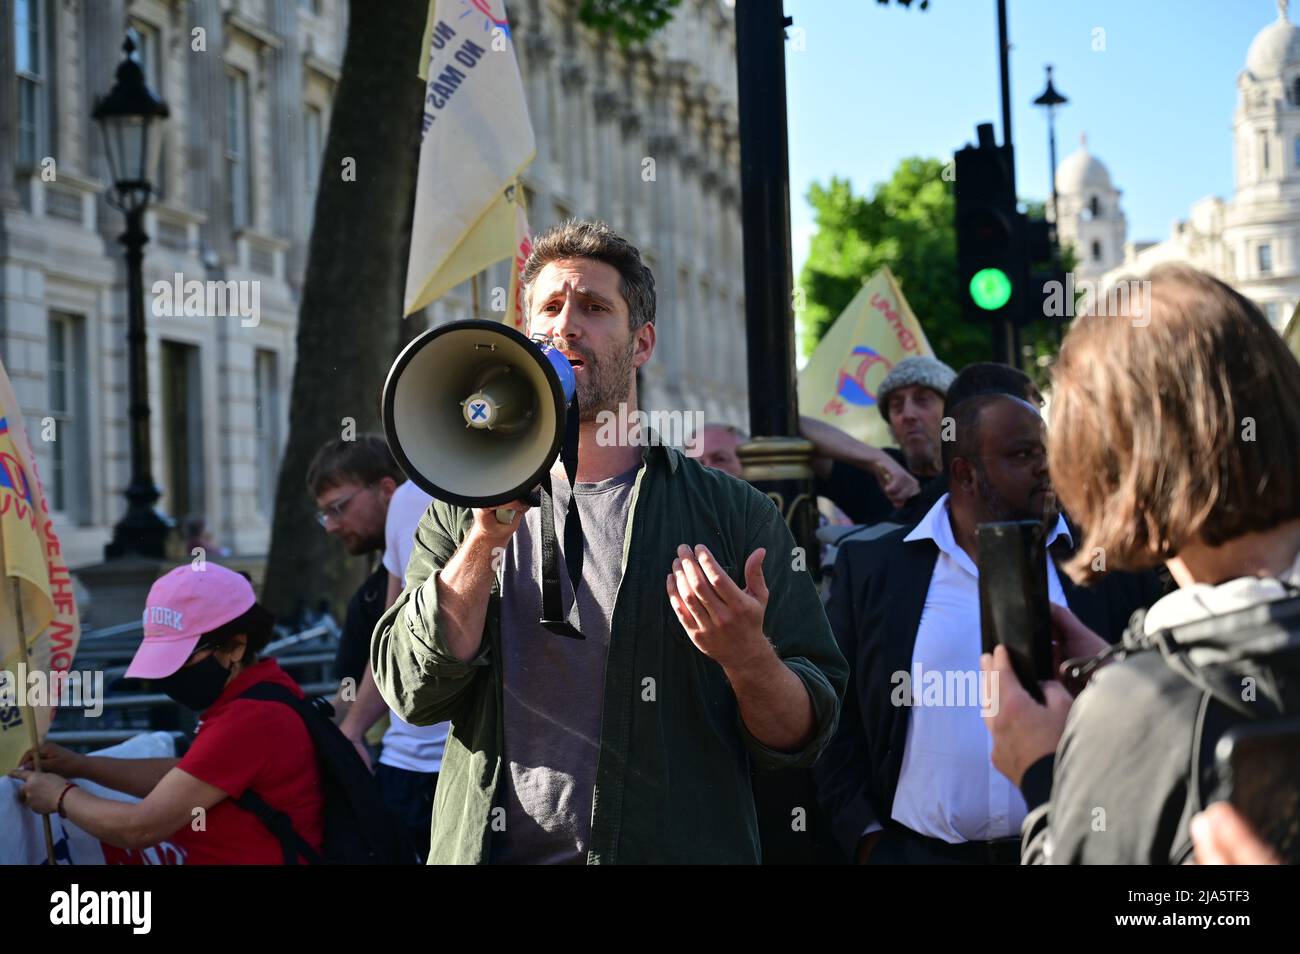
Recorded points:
(182, 412)
(239, 167)
(30, 45)
(314, 138)
(311, 6)
(1096, 251)
(1297, 149)
(1271, 310)
(1263, 151)
(1094, 207)
(68, 397)
(1265, 253)
(267, 414)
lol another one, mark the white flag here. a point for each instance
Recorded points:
(477, 139)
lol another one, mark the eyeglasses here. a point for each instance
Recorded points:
(335, 510)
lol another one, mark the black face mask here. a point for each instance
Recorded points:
(196, 687)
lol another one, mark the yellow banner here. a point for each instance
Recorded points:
(871, 335)
(476, 141)
(29, 553)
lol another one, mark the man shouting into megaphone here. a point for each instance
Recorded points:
(704, 650)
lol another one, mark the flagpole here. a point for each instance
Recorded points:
(30, 716)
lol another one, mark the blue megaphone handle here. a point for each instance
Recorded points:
(560, 363)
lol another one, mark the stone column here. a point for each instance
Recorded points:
(205, 152)
(575, 132)
(661, 145)
(8, 108)
(288, 162)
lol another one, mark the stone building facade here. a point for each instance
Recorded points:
(646, 139)
(1251, 240)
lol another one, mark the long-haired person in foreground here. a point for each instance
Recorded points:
(1175, 439)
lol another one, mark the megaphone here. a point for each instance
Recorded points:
(475, 412)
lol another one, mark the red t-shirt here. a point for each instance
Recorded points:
(257, 744)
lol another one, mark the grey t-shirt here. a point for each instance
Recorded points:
(554, 686)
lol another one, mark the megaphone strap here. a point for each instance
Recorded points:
(553, 616)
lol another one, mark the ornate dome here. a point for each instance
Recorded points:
(1275, 47)
(1081, 172)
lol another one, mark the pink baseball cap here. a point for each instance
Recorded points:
(182, 606)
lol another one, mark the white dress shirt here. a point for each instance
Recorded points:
(948, 788)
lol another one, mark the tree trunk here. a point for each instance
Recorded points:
(349, 324)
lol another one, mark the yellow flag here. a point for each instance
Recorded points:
(523, 248)
(871, 335)
(29, 553)
(477, 140)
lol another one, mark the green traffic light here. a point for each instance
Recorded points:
(990, 288)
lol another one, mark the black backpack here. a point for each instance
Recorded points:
(359, 828)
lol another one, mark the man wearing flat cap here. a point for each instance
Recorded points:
(910, 399)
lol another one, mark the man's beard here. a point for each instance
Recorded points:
(357, 546)
(1000, 509)
(605, 381)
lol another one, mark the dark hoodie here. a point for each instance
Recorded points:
(1122, 785)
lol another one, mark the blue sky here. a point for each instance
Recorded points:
(876, 83)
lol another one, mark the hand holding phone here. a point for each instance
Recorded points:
(1014, 610)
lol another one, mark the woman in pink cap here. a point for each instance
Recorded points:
(203, 630)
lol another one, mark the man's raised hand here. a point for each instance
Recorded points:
(722, 620)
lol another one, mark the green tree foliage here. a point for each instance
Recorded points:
(907, 224)
(631, 21)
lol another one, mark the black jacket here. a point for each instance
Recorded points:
(1123, 788)
(875, 607)
(364, 610)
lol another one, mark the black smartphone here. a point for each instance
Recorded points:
(1013, 598)
(1259, 773)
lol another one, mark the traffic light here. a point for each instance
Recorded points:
(1046, 277)
(992, 263)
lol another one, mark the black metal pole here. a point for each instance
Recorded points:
(142, 531)
(1056, 208)
(775, 460)
(765, 215)
(1008, 342)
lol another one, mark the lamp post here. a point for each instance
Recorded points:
(129, 117)
(1050, 99)
(776, 459)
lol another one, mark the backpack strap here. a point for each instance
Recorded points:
(291, 841)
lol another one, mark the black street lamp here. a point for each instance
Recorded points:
(130, 116)
(1051, 99)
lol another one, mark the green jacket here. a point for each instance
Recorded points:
(673, 776)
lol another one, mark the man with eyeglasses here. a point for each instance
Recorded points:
(363, 499)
